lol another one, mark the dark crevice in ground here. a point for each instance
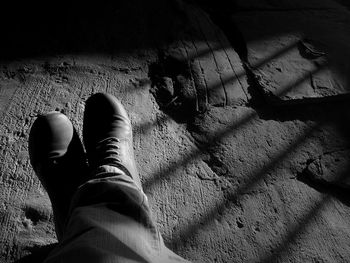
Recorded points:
(216, 165)
(33, 214)
(257, 98)
(223, 178)
(328, 173)
(342, 193)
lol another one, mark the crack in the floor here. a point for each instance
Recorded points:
(215, 164)
(334, 186)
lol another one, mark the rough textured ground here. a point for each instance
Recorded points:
(235, 170)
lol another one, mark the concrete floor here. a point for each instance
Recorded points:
(240, 113)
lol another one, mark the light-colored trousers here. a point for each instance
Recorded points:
(110, 221)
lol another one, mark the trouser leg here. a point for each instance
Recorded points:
(110, 221)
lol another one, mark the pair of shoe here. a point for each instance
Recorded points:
(58, 157)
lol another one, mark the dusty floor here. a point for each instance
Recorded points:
(240, 112)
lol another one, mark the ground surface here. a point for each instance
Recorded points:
(240, 113)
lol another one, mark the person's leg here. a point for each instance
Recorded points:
(111, 222)
(110, 219)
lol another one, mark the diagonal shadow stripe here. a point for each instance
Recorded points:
(144, 127)
(254, 179)
(261, 63)
(165, 173)
(274, 55)
(293, 233)
(141, 128)
(303, 223)
(174, 165)
(238, 75)
(211, 141)
(284, 90)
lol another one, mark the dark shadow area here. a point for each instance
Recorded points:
(31, 30)
(345, 3)
(173, 89)
(312, 111)
(221, 13)
(37, 254)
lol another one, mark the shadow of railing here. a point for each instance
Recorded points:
(238, 75)
(167, 172)
(304, 221)
(287, 88)
(254, 179)
(293, 233)
(256, 65)
(337, 188)
(224, 80)
(211, 141)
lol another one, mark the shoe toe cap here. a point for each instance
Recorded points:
(50, 136)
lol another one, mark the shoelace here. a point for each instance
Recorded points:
(107, 151)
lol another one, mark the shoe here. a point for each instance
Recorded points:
(58, 159)
(107, 135)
